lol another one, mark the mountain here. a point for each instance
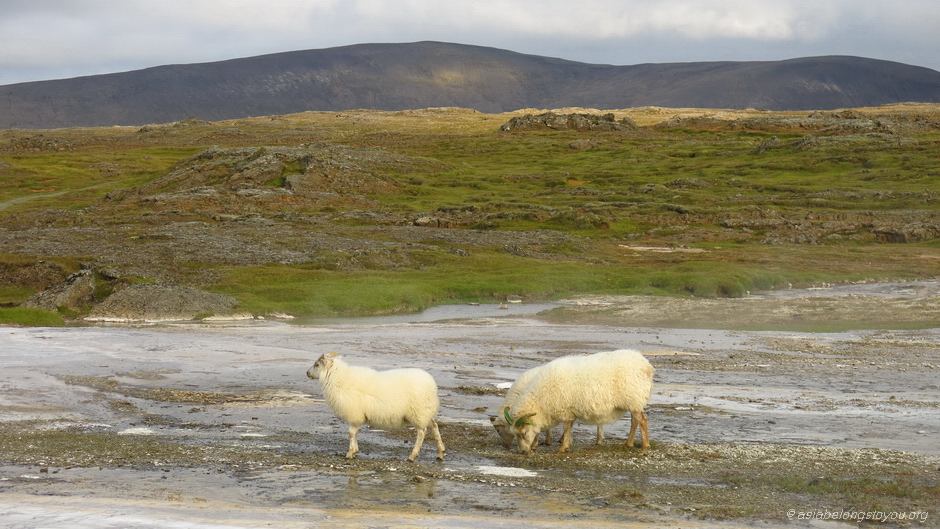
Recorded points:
(426, 74)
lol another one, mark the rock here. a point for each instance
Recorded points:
(767, 144)
(682, 210)
(583, 144)
(436, 222)
(39, 143)
(806, 143)
(161, 303)
(913, 232)
(76, 292)
(308, 170)
(110, 274)
(581, 122)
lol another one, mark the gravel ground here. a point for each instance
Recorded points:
(125, 425)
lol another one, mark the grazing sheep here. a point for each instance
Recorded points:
(385, 399)
(596, 389)
(499, 422)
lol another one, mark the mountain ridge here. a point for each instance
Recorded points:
(429, 74)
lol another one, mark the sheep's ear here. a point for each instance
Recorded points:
(523, 420)
(493, 419)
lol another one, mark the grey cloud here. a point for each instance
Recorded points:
(48, 39)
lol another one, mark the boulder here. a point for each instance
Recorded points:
(581, 122)
(76, 292)
(161, 303)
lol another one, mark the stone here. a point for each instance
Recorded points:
(75, 292)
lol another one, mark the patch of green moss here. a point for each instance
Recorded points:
(29, 317)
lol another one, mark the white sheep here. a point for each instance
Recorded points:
(595, 388)
(389, 399)
(499, 422)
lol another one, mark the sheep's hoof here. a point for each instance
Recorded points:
(440, 458)
(351, 455)
(411, 459)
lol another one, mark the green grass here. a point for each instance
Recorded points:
(29, 317)
(79, 178)
(532, 168)
(14, 294)
(696, 188)
(486, 277)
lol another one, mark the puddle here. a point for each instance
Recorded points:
(509, 472)
(444, 313)
(136, 431)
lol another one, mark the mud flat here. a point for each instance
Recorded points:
(215, 425)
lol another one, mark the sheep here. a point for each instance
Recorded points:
(385, 399)
(596, 388)
(500, 423)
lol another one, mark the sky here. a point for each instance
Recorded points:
(53, 39)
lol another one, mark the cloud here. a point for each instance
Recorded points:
(58, 38)
(604, 19)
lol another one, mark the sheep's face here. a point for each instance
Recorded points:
(527, 436)
(521, 428)
(321, 366)
(506, 436)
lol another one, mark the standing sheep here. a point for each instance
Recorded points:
(596, 389)
(518, 388)
(389, 399)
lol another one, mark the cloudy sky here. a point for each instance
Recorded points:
(47, 39)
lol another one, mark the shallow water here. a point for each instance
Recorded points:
(859, 389)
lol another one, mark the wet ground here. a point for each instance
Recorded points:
(197, 425)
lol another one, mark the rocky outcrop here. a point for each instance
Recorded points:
(75, 293)
(842, 122)
(580, 122)
(912, 232)
(307, 171)
(161, 303)
(39, 143)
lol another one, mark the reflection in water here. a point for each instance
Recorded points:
(447, 312)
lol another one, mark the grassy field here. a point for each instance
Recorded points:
(746, 200)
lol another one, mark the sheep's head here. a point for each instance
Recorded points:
(321, 366)
(522, 428)
(506, 436)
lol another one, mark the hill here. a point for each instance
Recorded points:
(429, 74)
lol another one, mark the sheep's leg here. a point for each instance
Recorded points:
(441, 450)
(645, 427)
(548, 436)
(353, 444)
(600, 435)
(566, 438)
(419, 440)
(635, 421)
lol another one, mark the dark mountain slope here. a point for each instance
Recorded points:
(423, 74)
